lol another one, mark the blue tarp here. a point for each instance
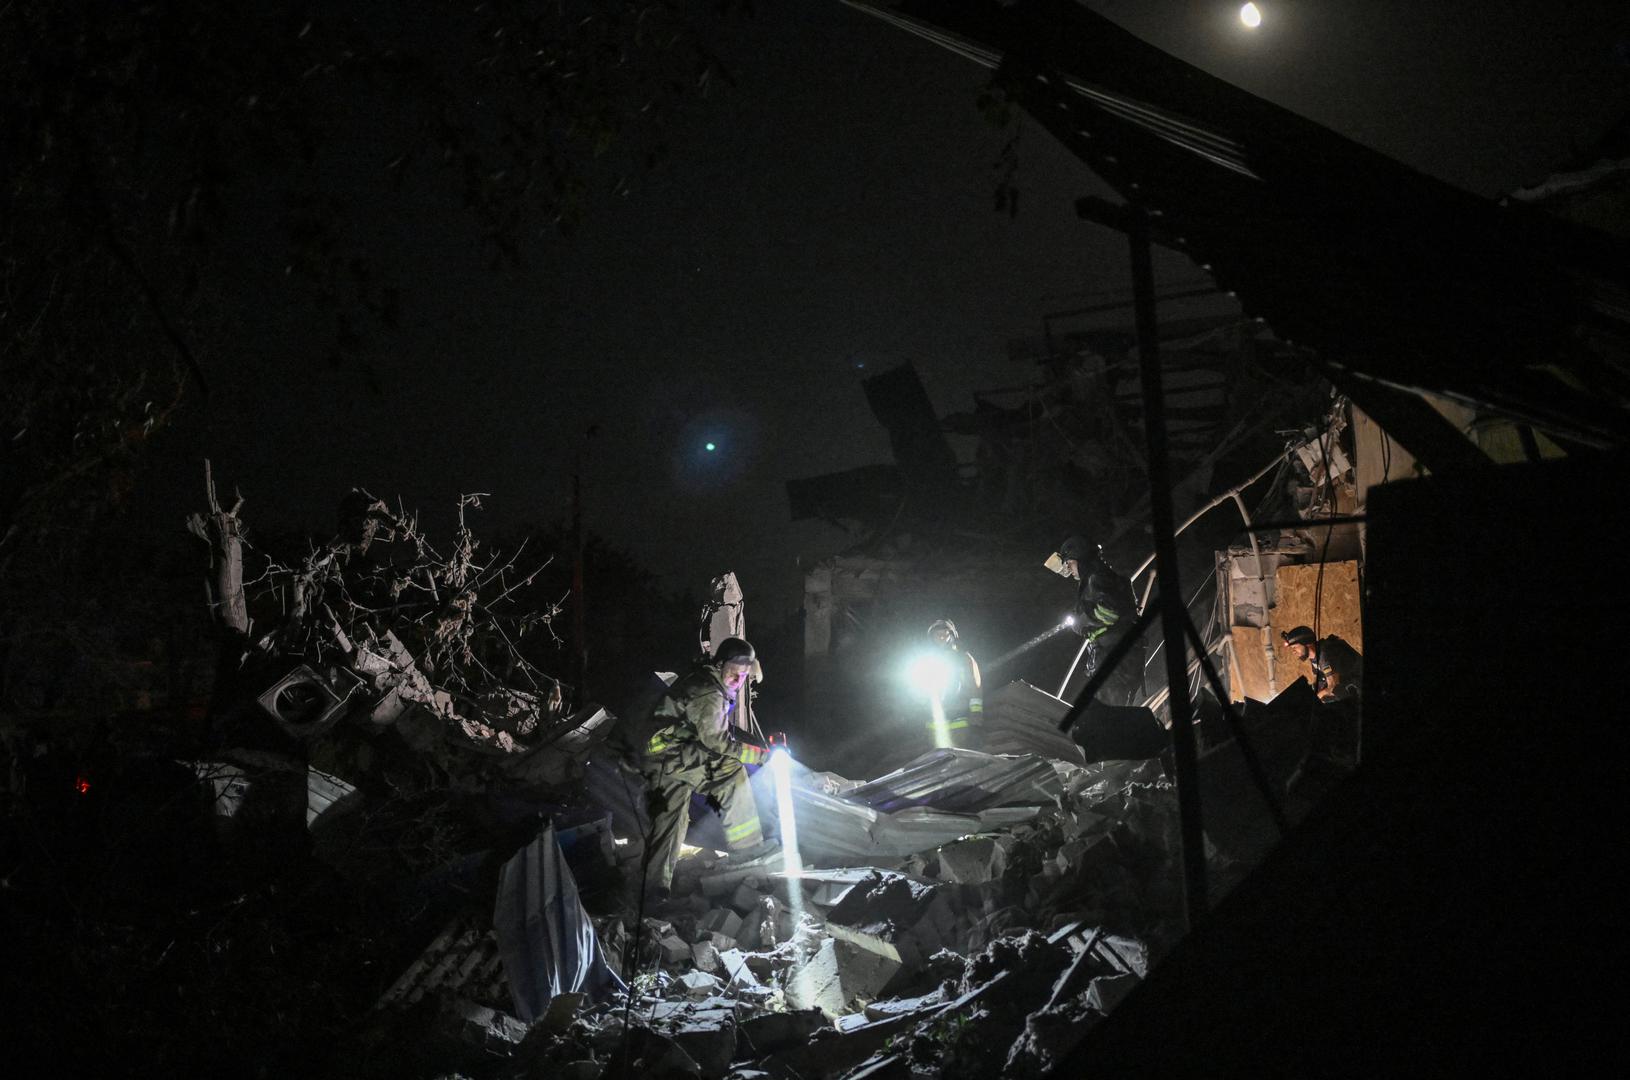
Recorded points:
(548, 944)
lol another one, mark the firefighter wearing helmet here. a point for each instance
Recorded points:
(1105, 612)
(963, 699)
(695, 751)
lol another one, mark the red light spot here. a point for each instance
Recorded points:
(82, 785)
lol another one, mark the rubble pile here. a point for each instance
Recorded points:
(968, 914)
(991, 953)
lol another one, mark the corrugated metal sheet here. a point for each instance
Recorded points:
(961, 781)
(932, 800)
(1020, 719)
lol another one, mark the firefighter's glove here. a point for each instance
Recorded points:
(714, 804)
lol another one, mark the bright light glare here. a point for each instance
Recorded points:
(791, 860)
(712, 447)
(942, 730)
(1251, 16)
(929, 675)
(1069, 620)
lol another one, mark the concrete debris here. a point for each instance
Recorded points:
(699, 984)
(973, 861)
(967, 915)
(737, 968)
(747, 895)
(463, 958)
(487, 1029)
(721, 921)
(705, 955)
(770, 1032)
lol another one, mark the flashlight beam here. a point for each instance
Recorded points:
(781, 770)
(1014, 654)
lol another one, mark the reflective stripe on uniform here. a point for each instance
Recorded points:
(956, 725)
(976, 705)
(1107, 616)
(733, 833)
(657, 745)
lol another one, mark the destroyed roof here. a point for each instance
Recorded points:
(933, 799)
(1389, 274)
(960, 781)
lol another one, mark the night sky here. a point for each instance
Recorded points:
(828, 216)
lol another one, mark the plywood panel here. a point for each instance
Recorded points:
(1295, 588)
(1250, 661)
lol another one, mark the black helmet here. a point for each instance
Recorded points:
(734, 650)
(1078, 547)
(1299, 635)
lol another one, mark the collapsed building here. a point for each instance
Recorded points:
(1025, 903)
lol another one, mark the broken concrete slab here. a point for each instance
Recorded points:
(673, 949)
(487, 1029)
(884, 1066)
(840, 975)
(464, 958)
(1049, 1035)
(737, 970)
(883, 1010)
(562, 1010)
(699, 985)
(817, 982)
(972, 861)
(766, 1034)
(721, 921)
(705, 955)
(747, 895)
(898, 919)
(712, 1045)
(1107, 991)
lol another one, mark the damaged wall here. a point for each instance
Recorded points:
(1295, 588)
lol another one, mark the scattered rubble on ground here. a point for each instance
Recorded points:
(969, 914)
(989, 953)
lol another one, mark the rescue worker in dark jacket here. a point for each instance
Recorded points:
(1105, 611)
(1338, 668)
(695, 750)
(963, 700)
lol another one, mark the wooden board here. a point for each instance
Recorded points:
(1295, 587)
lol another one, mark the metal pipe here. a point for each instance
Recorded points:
(1111, 662)
(1231, 493)
(1262, 583)
(1079, 653)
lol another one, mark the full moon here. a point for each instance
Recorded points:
(1251, 16)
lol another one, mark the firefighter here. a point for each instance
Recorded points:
(1338, 668)
(963, 699)
(1104, 612)
(695, 751)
